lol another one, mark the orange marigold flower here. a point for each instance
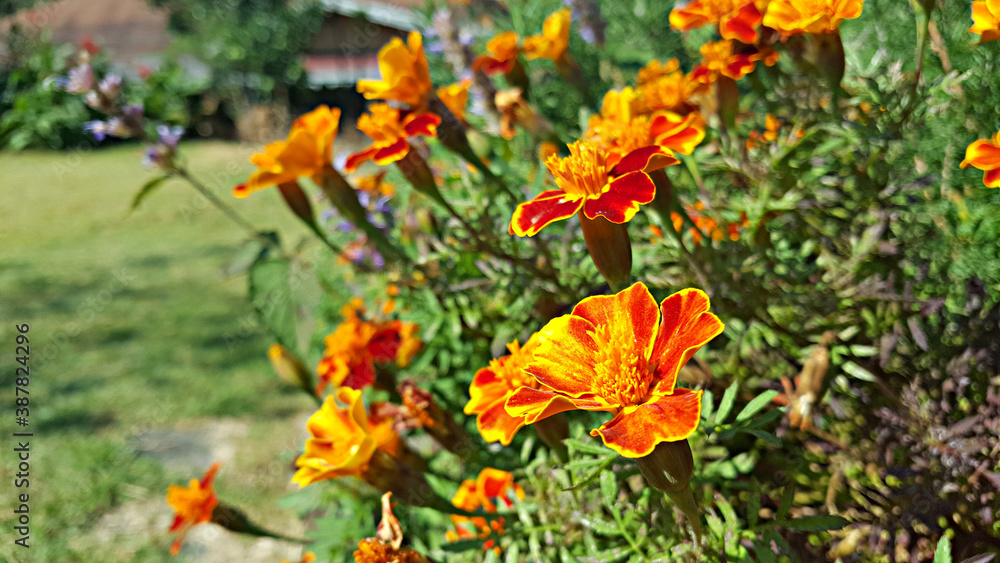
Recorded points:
(794, 17)
(503, 52)
(342, 440)
(671, 92)
(984, 154)
(305, 153)
(490, 488)
(621, 130)
(389, 128)
(547, 149)
(387, 545)
(621, 354)
(596, 181)
(455, 97)
(737, 19)
(192, 505)
(405, 75)
(986, 20)
(307, 557)
(357, 344)
(655, 69)
(492, 385)
(718, 59)
(553, 41)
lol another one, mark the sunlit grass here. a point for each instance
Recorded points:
(134, 328)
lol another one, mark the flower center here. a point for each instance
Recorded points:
(623, 374)
(511, 369)
(382, 124)
(627, 137)
(583, 173)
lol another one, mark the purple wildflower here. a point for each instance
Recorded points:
(169, 136)
(80, 80)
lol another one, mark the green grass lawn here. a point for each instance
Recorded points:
(136, 334)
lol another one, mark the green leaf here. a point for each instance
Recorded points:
(271, 296)
(462, 545)
(707, 404)
(146, 190)
(753, 504)
(786, 501)
(754, 406)
(609, 488)
(589, 447)
(593, 475)
(943, 552)
(602, 527)
(726, 406)
(609, 555)
(858, 372)
(814, 523)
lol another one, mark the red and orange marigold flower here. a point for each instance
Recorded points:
(794, 17)
(492, 385)
(307, 152)
(737, 19)
(405, 75)
(621, 130)
(503, 51)
(192, 505)
(553, 41)
(984, 154)
(598, 182)
(389, 128)
(491, 488)
(358, 343)
(986, 20)
(719, 59)
(621, 354)
(342, 440)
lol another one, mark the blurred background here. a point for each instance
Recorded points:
(139, 319)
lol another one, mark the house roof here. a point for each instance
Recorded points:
(397, 14)
(132, 31)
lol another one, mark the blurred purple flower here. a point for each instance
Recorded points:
(102, 129)
(169, 136)
(80, 80)
(110, 86)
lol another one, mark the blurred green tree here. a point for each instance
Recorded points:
(249, 45)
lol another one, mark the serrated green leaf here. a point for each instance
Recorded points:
(146, 190)
(726, 406)
(593, 475)
(754, 406)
